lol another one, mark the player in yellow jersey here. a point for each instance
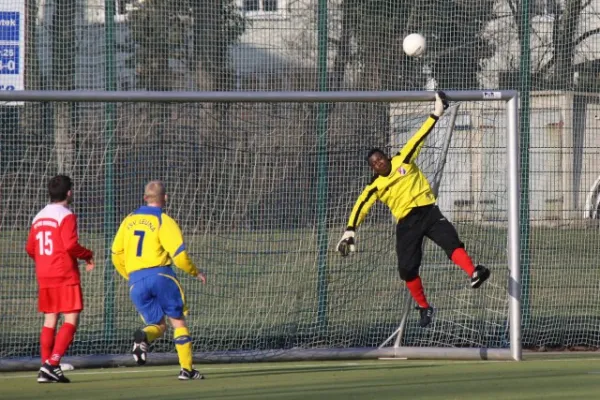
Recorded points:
(399, 183)
(147, 245)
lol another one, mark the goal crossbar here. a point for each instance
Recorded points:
(94, 96)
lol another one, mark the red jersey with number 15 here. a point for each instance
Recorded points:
(54, 246)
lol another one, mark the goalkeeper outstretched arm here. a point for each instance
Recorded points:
(361, 208)
(410, 151)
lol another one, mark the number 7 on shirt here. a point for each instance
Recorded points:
(140, 242)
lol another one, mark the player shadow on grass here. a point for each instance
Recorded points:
(323, 390)
(380, 384)
(224, 373)
(325, 368)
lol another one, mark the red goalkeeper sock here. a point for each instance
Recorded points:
(46, 343)
(416, 290)
(462, 259)
(63, 341)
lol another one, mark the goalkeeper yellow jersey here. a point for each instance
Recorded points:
(404, 188)
(149, 238)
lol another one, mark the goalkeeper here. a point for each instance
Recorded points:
(146, 246)
(399, 183)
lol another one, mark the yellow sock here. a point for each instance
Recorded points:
(153, 332)
(183, 344)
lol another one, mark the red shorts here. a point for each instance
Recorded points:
(61, 299)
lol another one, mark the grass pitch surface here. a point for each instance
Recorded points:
(547, 377)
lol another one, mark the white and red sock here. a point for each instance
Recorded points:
(64, 338)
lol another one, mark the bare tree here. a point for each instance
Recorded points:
(63, 75)
(557, 70)
(217, 25)
(197, 33)
(32, 63)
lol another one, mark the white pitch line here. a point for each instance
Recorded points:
(130, 370)
(93, 373)
(567, 359)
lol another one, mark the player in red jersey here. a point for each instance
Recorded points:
(53, 244)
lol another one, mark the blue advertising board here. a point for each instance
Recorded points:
(9, 59)
(9, 26)
(12, 46)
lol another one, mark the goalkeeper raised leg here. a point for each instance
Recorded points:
(399, 183)
(146, 247)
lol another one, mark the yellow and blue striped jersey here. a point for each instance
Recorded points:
(404, 188)
(149, 238)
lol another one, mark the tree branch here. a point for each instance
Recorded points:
(586, 35)
(517, 16)
(547, 66)
(512, 7)
(557, 46)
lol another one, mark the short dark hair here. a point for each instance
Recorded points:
(373, 151)
(58, 187)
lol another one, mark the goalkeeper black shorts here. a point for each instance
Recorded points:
(421, 222)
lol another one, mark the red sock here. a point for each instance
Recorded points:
(462, 259)
(62, 343)
(46, 343)
(416, 289)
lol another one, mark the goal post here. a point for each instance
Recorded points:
(279, 290)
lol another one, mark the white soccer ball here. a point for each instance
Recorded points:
(414, 45)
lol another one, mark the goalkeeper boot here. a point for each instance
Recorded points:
(187, 375)
(54, 373)
(140, 347)
(426, 316)
(480, 275)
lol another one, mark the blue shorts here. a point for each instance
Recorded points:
(156, 292)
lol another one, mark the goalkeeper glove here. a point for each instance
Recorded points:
(441, 104)
(346, 244)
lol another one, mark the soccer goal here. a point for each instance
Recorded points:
(262, 184)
